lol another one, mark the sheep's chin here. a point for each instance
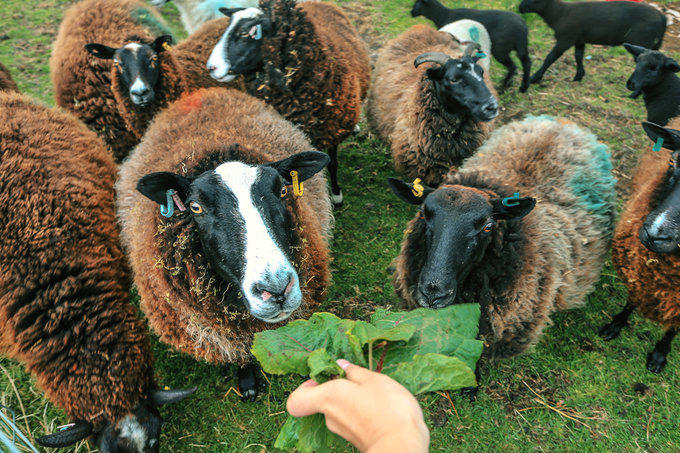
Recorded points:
(282, 316)
(227, 78)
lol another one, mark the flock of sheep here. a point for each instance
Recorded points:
(192, 171)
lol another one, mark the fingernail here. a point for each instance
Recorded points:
(342, 363)
(309, 383)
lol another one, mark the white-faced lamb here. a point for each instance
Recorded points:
(195, 13)
(433, 118)
(522, 228)
(607, 23)
(646, 245)
(654, 77)
(242, 245)
(507, 30)
(466, 32)
(64, 282)
(307, 61)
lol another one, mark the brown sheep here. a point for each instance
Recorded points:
(191, 295)
(479, 239)
(307, 61)
(6, 81)
(64, 281)
(431, 123)
(645, 246)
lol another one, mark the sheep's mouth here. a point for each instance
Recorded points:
(282, 316)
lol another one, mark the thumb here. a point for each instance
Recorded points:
(355, 373)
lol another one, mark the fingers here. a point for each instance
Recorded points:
(312, 398)
(355, 373)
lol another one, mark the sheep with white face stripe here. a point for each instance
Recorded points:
(240, 253)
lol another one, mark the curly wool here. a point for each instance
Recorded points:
(6, 81)
(64, 280)
(426, 141)
(187, 304)
(650, 277)
(316, 70)
(546, 261)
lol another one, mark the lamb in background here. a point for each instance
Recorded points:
(645, 246)
(654, 77)
(431, 123)
(199, 290)
(507, 30)
(523, 229)
(608, 23)
(64, 282)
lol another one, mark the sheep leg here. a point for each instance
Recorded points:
(336, 192)
(471, 392)
(554, 54)
(613, 329)
(526, 71)
(249, 384)
(506, 61)
(656, 360)
(578, 55)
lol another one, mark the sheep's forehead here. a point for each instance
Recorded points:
(651, 57)
(238, 177)
(248, 13)
(131, 430)
(459, 198)
(133, 48)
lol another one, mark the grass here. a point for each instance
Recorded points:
(572, 393)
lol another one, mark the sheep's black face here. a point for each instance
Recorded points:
(418, 8)
(651, 67)
(239, 50)
(459, 225)
(137, 433)
(244, 226)
(137, 65)
(460, 88)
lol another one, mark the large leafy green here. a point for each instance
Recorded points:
(424, 350)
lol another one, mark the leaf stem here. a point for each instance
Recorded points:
(370, 356)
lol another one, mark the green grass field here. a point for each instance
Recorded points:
(572, 393)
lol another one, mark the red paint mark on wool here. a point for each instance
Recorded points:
(191, 101)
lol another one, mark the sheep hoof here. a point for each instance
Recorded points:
(337, 199)
(470, 393)
(248, 383)
(523, 89)
(656, 361)
(578, 77)
(535, 79)
(610, 331)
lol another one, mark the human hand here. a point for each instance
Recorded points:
(371, 410)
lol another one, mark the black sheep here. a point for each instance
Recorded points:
(654, 77)
(507, 30)
(606, 23)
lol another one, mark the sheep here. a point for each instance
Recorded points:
(307, 61)
(606, 23)
(471, 242)
(507, 30)
(195, 13)
(117, 90)
(64, 282)
(6, 81)
(646, 241)
(432, 123)
(467, 31)
(194, 291)
(654, 77)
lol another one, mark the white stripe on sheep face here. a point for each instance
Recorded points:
(245, 229)
(238, 50)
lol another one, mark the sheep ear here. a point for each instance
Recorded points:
(671, 65)
(405, 191)
(307, 164)
(634, 50)
(670, 137)
(100, 51)
(162, 43)
(69, 436)
(435, 73)
(154, 186)
(230, 11)
(512, 208)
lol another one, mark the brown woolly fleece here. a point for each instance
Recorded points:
(64, 280)
(402, 107)
(186, 303)
(6, 81)
(546, 261)
(651, 277)
(316, 69)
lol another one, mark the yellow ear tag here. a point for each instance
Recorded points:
(167, 46)
(418, 189)
(298, 187)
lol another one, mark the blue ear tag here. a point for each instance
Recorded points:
(507, 202)
(481, 54)
(168, 209)
(658, 145)
(256, 32)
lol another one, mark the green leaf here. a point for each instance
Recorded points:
(322, 367)
(432, 372)
(289, 435)
(314, 435)
(368, 333)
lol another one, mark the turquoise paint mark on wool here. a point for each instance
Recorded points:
(474, 34)
(144, 17)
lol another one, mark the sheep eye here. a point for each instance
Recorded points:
(195, 208)
(284, 191)
(488, 228)
(154, 57)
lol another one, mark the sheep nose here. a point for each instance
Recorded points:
(276, 290)
(212, 68)
(433, 295)
(140, 91)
